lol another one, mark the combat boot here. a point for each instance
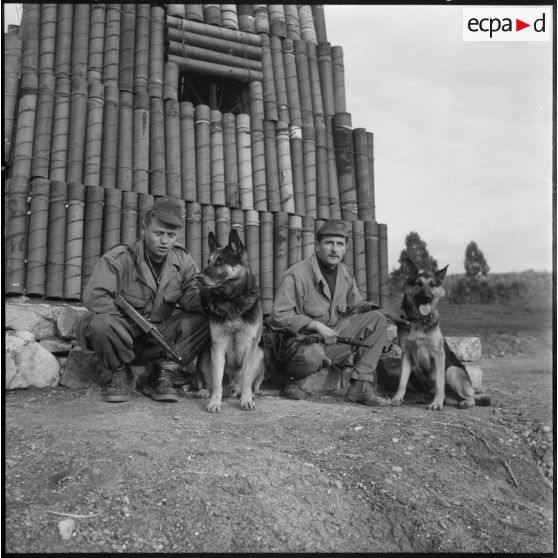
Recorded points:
(159, 384)
(120, 388)
(362, 391)
(293, 391)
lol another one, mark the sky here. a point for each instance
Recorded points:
(462, 132)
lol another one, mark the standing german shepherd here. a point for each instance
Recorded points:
(425, 351)
(232, 300)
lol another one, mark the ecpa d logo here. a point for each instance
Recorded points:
(514, 23)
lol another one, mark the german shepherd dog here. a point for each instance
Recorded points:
(232, 301)
(425, 351)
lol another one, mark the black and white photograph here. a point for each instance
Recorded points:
(279, 278)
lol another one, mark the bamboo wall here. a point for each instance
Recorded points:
(96, 128)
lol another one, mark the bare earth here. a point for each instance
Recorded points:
(320, 475)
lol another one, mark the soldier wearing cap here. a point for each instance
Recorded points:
(320, 295)
(154, 274)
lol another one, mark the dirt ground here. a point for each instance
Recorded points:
(320, 475)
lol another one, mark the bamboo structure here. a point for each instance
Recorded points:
(188, 151)
(111, 218)
(73, 255)
(238, 112)
(230, 160)
(93, 230)
(140, 147)
(12, 67)
(16, 243)
(94, 134)
(56, 240)
(37, 238)
(194, 231)
(252, 238)
(217, 154)
(43, 126)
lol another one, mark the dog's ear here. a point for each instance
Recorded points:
(212, 241)
(441, 275)
(235, 244)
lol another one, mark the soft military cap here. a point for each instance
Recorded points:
(333, 227)
(168, 211)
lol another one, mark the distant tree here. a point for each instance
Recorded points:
(416, 250)
(475, 263)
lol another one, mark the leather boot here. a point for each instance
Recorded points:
(362, 391)
(159, 384)
(120, 387)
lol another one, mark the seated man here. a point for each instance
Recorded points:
(154, 274)
(320, 295)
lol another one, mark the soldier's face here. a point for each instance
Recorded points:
(159, 239)
(330, 250)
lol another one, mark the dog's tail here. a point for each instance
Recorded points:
(483, 400)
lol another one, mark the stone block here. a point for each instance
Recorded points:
(37, 318)
(66, 320)
(83, 369)
(29, 365)
(467, 349)
(56, 346)
(475, 373)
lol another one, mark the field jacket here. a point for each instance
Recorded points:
(123, 270)
(303, 296)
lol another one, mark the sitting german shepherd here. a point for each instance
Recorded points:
(425, 351)
(232, 300)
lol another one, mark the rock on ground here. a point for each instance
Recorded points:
(28, 364)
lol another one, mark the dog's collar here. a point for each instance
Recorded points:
(420, 321)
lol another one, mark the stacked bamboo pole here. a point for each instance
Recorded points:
(56, 240)
(93, 230)
(101, 129)
(12, 67)
(37, 239)
(73, 255)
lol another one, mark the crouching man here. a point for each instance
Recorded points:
(154, 275)
(319, 295)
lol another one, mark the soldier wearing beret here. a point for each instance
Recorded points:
(320, 295)
(154, 274)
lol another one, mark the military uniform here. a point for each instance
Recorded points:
(123, 270)
(170, 301)
(304, 296)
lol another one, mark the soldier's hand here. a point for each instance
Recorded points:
(397, 320)
(329, 335)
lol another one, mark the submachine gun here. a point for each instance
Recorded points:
(147, 327)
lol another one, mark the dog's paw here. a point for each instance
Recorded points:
(396, 401)
(436, 405)
(248, 405)
(466, 403)
(213, 406)
(203, 394)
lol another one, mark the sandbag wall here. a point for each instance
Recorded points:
(96, 129)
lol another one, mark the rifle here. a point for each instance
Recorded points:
(316, 338)
(146, 326)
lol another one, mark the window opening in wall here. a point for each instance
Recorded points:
(219, 94)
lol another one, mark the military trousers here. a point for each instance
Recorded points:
(117, 341)
(370, 326)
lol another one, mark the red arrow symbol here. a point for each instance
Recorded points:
(519, 25)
